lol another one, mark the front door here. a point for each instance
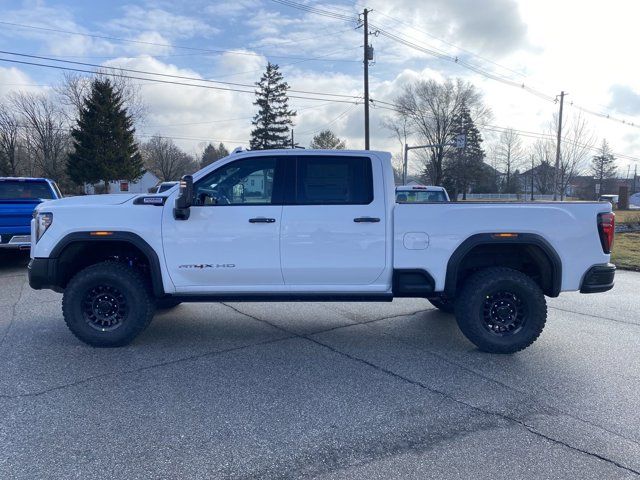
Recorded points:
(232, 237)
(334, 226)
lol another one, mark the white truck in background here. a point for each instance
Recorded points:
(313, 225)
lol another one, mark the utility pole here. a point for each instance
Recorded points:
(635, 175)
(366, 78)
(293, 145)
(557, 169)
(532, 177)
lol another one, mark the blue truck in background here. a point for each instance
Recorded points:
(18, 198)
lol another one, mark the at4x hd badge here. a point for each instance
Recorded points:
(201, 266)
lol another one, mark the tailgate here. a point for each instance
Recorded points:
(15, 215)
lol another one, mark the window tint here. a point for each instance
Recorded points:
(16, 189)
(420, 196)
(244, 182)
(334, 181)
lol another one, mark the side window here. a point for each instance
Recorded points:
(338, 180)
(244, 182)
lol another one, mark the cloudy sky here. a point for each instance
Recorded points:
(587, 49)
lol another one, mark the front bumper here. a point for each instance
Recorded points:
(19, 241)
(42, 273)
(599, 278)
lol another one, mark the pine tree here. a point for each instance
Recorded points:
(464, 166)
(327, 140)
(603, 165)
(104, 146)
(211, 154)
(272, 122)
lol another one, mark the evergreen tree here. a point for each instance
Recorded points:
(104, 146)
(272, 122)
(327, 140)
(603, 166)
(464, 166)
(211, 154)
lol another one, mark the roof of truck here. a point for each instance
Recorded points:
(26, 179)
(411, 188)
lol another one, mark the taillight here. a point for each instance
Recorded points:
(606, 229)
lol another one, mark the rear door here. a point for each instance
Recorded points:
(333, 222)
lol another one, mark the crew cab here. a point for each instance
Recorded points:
(314, 225)
(18, 198)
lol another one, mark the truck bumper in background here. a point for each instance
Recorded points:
(18, 241)
(42, 273)
(598, 278)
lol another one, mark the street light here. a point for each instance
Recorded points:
(460, 141)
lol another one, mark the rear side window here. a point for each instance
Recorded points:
(24, 190)
(335, 180)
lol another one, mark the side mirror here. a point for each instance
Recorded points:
(181, 211)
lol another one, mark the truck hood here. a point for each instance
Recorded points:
(88, 200)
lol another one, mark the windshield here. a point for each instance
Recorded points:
(420, 196)
(24, 190)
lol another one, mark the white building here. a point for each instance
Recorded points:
(142, 185)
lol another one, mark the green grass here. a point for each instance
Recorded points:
(626, 251)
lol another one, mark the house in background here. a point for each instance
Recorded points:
(142, 185)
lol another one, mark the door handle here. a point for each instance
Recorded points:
(262, 220)
(366, 220)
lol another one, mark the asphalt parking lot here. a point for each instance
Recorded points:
(357, 391)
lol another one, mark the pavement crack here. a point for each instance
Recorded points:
(511, 388)
(480, 410)
(443, 394)
(142, 369)
(14, 309)
(599, 317)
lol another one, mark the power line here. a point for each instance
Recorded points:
(331, 122)
(317, 11)
(169, 82)
(165, 75)
(224, 120)
(488, 60)
(156, 44)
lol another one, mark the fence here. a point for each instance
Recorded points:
(506, 197)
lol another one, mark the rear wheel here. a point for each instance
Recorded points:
(501, 310)
(107, 304)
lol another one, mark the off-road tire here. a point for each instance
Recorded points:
(135, 310)
(476, 309)
(443, 304)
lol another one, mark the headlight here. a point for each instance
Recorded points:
(43, 222)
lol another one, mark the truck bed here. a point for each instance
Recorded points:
(427, 235)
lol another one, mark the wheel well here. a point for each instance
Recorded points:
(534, 260)
(77, 255)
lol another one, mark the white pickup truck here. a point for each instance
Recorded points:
(296, 225)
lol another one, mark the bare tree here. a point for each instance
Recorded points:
(429, 108)
(577, 144)
(75, 88)
(9, 141)
(166, 160)
(400, 129)
(510, 156)
(543, 152)
(46, 136)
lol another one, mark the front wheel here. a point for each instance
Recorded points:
(501, 310)
(107, 304)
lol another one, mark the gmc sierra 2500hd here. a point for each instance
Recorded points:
(291, 225)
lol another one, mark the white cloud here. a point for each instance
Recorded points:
(137, 18)
(12, 79)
